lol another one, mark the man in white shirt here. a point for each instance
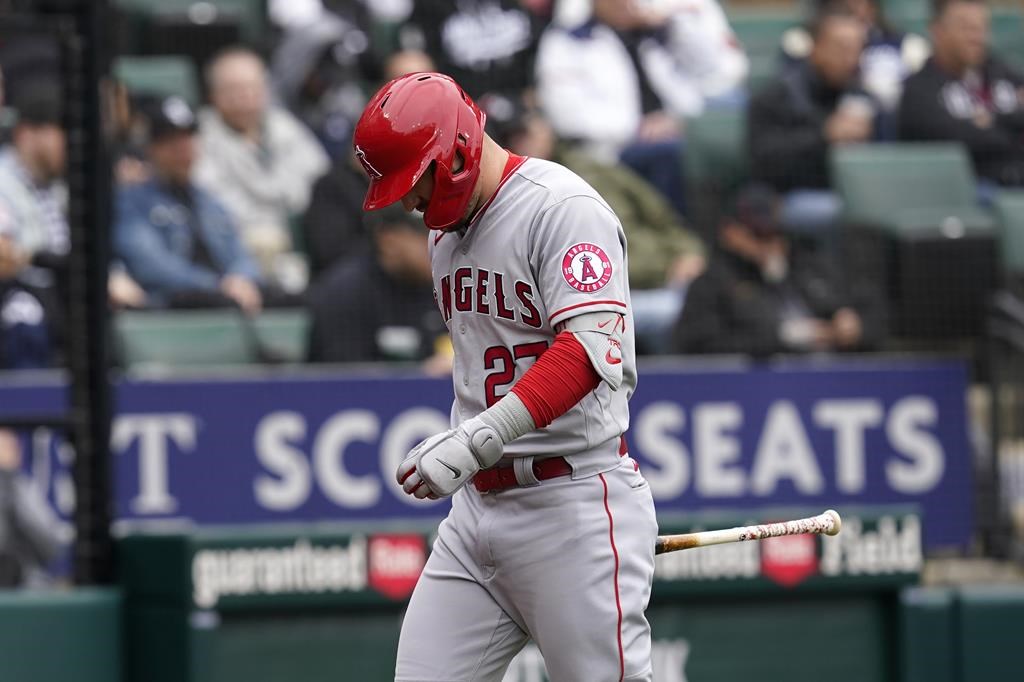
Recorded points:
(258, 158)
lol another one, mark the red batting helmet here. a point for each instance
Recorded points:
(412, 122)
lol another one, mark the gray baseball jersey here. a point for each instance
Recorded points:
(567, 562)
(546, 248)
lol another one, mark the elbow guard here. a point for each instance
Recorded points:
(600, 334)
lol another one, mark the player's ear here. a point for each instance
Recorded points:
(458, 163)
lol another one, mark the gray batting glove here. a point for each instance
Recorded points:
(443, 463)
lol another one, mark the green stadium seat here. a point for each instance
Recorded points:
(1010, 211)
(716, 163)
(760, 32)
(1008, 34)
(159, 76)
(284, 333)
(934, 246)
(182, 338)
(716, 147)
(904, 187)
(251, 15)
(908, 15)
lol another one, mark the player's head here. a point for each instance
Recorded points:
(420, 140)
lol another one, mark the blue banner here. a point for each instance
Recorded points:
(305, 447)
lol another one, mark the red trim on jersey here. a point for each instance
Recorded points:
(618, 600)
(511, 166)
(581, 305)
(559, 379)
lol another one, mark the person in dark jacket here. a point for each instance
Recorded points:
(332, 226)
(379, 307)
(965, 93)
(890, 54)
(762, 296)
(814, 105)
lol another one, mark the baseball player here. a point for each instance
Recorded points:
(552, 527)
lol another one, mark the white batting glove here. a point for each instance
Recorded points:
(443, 463)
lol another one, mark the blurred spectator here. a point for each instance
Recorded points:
(33, 197)
(28, 58)
(621, 83)
(761, 295)
(889, 56)
(380, 307)
(964, 93)
(661, 248)
(664, 256)
(176, 239)
(7, 115)
(407, 61)
(34, 234)
(259, 160)
(29, 537)
(127, 135)
(812, 106)
(318, 73)
(333, 226)
(486, 45)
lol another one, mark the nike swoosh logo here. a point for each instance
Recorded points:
(455, 472)
(602, 325)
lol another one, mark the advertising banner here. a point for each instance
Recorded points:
(233, 589)
(302, 447)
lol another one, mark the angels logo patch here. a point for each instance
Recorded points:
(586, 267)
(370, 170)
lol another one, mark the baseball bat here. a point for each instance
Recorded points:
(826, 523)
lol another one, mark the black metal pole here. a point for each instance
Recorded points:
(89, 213)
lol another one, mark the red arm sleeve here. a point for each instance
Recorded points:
(559, 379)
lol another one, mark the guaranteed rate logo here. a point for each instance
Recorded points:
(396, 562)
(292, 569)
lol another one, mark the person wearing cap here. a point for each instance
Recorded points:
(33, 197)
(176, 239)
(34, 233)
(761, 295)
(381, 306)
